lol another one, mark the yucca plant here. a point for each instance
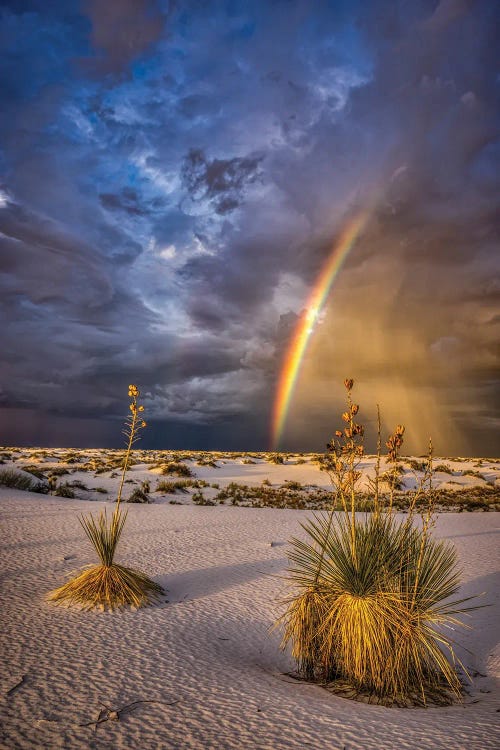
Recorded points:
(372, 593)
(109, 584)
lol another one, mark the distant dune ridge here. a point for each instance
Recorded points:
(295, 479)
(209, 648)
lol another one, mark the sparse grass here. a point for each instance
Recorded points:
(268, 496)
(138, 496)
(473, 473)
(177, 468)
(33, 469)
(416, 465)
(292, 485)
(443, 468)
(275, 458)
(207, 460)
(393, 478)
(200, 499)
(77, 484)
(179, 485)
(16, 480)
(64, 490)
(57, 471)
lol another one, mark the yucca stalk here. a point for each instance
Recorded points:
(376, 482)
(372, 595)
(133, 424)
(109, 584)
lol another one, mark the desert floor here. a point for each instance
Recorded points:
(206, 658)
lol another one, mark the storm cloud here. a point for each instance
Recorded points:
(174, 178)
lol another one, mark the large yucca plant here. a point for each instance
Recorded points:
(372, 594)
(109, 584)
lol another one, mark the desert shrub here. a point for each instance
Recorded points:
(31, 469)
(64, 490)
(443, 468)
(292, 485)
(393, 479)
(372, 593)
(179, 456)
(58, 471)
(110, 584)
(70, 458)
(199, 499)
(172, 487)
(179, 485)
(177, 468)
(416, 465)
(268, 496)
(207, 461)
(18, 481)
(138, 496)
(473, 473)
(275, 458)
(78, 485)
(372, 615)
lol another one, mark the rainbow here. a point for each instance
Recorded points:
(305, 325)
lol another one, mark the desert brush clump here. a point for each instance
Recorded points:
(373, 593)
(138, 495)
(179, 485)
(177, 468)
(19, 481)
(109, 584)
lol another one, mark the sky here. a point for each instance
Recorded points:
(174, 176)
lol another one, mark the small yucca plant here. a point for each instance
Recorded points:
(372, 593)
(109, 584)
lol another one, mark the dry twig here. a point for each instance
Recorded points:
(114, 714)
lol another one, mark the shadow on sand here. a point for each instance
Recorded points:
(197, 584)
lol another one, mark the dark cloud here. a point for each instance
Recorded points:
(220, 181)
(174, 178)
(127, 200)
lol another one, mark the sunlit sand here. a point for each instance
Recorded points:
(207, 651)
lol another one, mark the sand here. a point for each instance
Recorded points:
(209, 648)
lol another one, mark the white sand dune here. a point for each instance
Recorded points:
(217, 564)
(460, 474)
(209, 648)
